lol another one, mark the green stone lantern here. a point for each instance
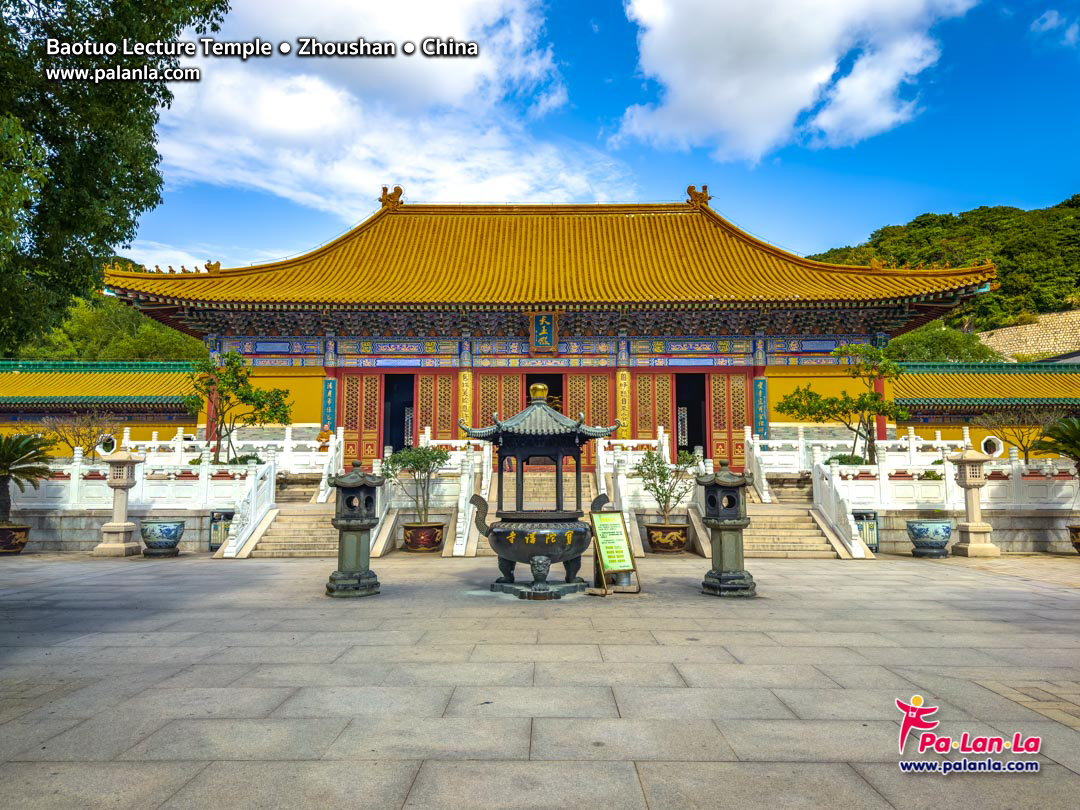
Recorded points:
(355, 516)
(725, 515)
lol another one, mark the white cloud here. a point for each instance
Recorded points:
(329, 132)
(1052, 20)
(743, 77)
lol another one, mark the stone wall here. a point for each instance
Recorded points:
(1013, 530)
(80, 529)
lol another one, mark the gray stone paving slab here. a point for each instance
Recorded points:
(743, 676)
(370, 674)
(208, 675)
(238, 740)
(396, 653)
(309, 654)
(606, 674)
(628, 739)
(17, 735)
(532, 701)
(463, 674)
(756, 785)
(97, 739)
(640, 653)
(661, 703)
(547, 653)
(708, 637)
(231, 701)
(795, 655)
(821, 741)
(854, 704)
(356, 701)
(262, 785)
(1052, 788)
(539, 785)
(481, 738)
(92, 785)
(869, 676)
(1059, 743)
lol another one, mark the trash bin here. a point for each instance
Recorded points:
(867, 525)
(219, 528)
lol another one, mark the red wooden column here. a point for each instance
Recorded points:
(879, 388)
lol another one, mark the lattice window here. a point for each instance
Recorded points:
(511, 398)
(599, 406)
(371, 403)
(644, 406)
(663, 401)
(682, 432)
(425, 401)
(719, 402)
(352, 403)
(575, 395)
(489, 399)
(408, 425)
(445, 427)
(738, 402)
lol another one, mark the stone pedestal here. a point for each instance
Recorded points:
(117, 536)
(354, 577)
(974, 533)
(728, 577)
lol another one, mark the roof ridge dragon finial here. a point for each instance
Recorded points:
(391, 199)
(698, 199)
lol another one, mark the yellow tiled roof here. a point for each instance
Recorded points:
(1056, 385)
(92, 386)
(532, 254)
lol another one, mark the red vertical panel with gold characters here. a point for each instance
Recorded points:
(361, 400)
(728, 407)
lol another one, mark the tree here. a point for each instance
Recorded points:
(230, 399)
(1022, 427)
(868, 364)
(86, 430)
(90, 147)
(937, 343)
(23, 460)
(1063, 438)
(1036, 253)
(423, 463)
(104, 328)
(667, 483)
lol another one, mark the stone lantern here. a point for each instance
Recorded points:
(725, 515)
(355, 516)
(974, 533)
(116, 535)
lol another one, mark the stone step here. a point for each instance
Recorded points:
(321, 547)
(791, 555)
(787, 547)
(794, 536)
(260, 553)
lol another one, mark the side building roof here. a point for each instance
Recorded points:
(45, 386)
(979, 387)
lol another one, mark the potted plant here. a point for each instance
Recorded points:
(668, 484)
(930, 536)
(422, 464)
(23, 460)
(1063, 438)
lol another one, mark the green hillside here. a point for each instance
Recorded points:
(1037, 254)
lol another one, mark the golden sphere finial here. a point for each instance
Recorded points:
(538, 391)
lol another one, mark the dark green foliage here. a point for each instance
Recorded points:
(937, 343)
(846, 459)
(98, 144)
(23, 460)
(1062, 438)
(423, 464)
(667, 483)
(103, 328)
(1037, 254)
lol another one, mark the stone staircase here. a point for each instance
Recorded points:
(300, 530)
(297, 487)
(791, 488)
(784, 530)
(539, 492)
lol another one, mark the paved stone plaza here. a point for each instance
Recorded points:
(197, 683)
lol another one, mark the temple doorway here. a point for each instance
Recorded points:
(690, 424)
(554, 382)
(398, 427)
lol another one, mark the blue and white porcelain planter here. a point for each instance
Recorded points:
(161, 537)
(930, 537)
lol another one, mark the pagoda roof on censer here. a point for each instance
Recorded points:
(539, 420)
(518, 257)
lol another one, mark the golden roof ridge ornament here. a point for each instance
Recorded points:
(698, 199)
(391, 199)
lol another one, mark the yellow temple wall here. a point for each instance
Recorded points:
(305, 387)
(826, 380)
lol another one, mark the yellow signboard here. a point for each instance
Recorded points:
(612, 546)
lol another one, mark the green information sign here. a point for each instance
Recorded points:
(612, 543)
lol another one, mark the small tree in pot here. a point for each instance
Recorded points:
(1063, 438)
(422, 464)
(23, 460)
(668, 484)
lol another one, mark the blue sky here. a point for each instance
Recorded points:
(812, 121)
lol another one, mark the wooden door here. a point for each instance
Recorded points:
(435, 406)
(728, 408)
(590, 394)
(361, 406)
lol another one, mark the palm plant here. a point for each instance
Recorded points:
(23, 460)
(1063, 438)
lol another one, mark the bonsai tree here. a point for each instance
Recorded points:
(667, 483)
(423, 463)
(1063, 438)
(231, 399)
(23, 461)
